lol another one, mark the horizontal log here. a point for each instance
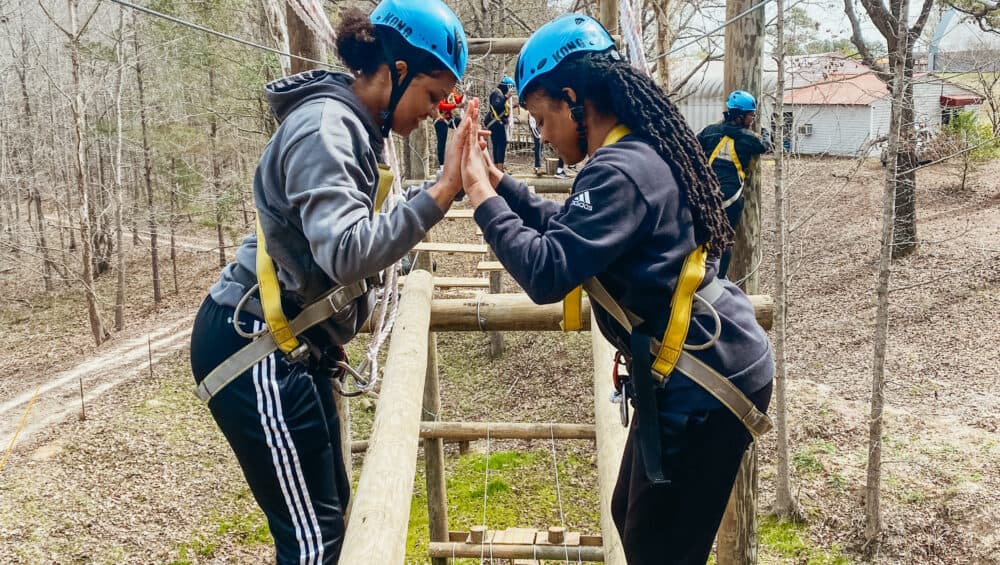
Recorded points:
(490, 266)
(458, 214)
(523, 551)
(440, 247)
(516, 312)
(547, 185)
(468, 431)
(456, 282)
(465, 431)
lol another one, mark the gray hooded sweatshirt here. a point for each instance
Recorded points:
(314, 190)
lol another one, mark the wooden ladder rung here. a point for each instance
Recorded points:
(457, 282)
(459, 214)
(490, 266)
(440, 247)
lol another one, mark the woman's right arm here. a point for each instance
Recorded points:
(327, 179)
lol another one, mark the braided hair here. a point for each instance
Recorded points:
(615, 87)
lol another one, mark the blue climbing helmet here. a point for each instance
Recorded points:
(506, 80)
(742, 101)
(548, 46)
(428, 25)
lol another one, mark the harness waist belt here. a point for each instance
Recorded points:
(322, 309)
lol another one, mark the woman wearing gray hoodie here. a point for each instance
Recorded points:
(316, 189)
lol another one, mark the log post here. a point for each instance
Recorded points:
(611, 437)
(437, 497)
(377, 530)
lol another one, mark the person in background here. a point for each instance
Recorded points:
(537, 140)
(732, 148)
(447, 119)
(497, 118)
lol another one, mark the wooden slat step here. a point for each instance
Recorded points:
(440, 247)
(490, 266)
(458, 214)
(457, 282)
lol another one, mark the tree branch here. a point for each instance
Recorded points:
(859, 42)
(918, 26)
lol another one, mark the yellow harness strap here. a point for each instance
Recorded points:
(573, 302)
(692, 274)
(270, 298)
(385, 178)
(729, 144)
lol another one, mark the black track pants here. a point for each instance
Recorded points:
(676, 523)
(281, 422)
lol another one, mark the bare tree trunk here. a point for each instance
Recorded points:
(664, 38)
(154, 252)
(173, 221)
(873, 485)
(905, 232)
(737, 538)
(302, 42)
(213, 126)
(785, 505)
(119, 185)
(79, 126)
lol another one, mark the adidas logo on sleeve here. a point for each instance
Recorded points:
(582, 200)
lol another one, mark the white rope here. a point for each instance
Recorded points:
(486, 490)
(555, 470)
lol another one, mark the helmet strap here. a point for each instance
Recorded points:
(397, 91)
(576, 112)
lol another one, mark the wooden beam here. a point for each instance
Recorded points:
(611, 437)
(516, 312)
(548, 185)
(457, 282)
(437, 495)
(490, 266)
(505, 430)
(440, 247)
(459, 214)
(521, 551)
(381, 509)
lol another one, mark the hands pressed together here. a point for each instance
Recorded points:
(468, 164)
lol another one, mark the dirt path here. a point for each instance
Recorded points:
(58, 397)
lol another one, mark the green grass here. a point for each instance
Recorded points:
(789, 540)
(520, 492)
(808, 460)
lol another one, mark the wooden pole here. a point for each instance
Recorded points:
(541, 185)
(437, 497)
(737, 541)
(611, 437)
(377, 530)
(504, 551)
(496, 338)
(464, 431)
(512, 45)
(609, 15)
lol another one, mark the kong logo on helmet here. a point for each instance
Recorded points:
(392, 20)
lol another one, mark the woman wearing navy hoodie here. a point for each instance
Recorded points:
(317, 189)
(641, 232)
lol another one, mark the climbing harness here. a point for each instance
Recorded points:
(726, 151)
(498, 118)
(654, 360)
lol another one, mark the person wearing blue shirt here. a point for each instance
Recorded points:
(642, 232)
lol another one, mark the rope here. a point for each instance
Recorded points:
(486, 490)
(226, 36)
(20, 426)
(555, 470)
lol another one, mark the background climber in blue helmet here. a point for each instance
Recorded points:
(732, 149)
(497, 117)
(643, 206)
(318, 186)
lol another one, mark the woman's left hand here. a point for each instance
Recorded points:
(475, 168)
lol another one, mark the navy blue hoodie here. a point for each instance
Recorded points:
(625, 223)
